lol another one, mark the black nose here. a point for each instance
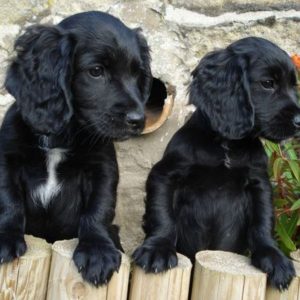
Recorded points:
(135, 120)
(297, 121)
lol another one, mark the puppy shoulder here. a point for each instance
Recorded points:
(180, 140)
(190, 135)
(11, 115)
(258, 156)
(12, 123)
(14, 132)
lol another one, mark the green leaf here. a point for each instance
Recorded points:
(283, 248)
(291, 152)
(272, 146)
(295, 167)
(284, 237)
(268, 151)
(277, 167)
(280, 202)
(296, 205)
(292, 224)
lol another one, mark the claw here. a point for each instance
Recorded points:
(2, 260)
(144, 267)
(155, 270)
(105, 281)
(80, 269)
(95, 282)
(282, 287)
(285, 287)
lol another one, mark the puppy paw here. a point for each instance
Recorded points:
(11, 246)
(96, 261)
(155, 257)
(279, 268)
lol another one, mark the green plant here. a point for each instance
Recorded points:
(284, 171)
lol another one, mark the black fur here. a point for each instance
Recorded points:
(78, 86)
(211, 188)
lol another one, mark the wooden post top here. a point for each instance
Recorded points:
(36, 248)
(227, 262)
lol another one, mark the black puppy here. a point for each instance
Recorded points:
(78, 86)
(211, 188)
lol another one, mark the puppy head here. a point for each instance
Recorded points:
(273, 83)
(39, 78)
(248, 88)
(90, 68)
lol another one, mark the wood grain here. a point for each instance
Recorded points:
(27, 276)
(66, 283)
(227, 276)
(170, 285)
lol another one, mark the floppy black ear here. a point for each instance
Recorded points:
(146, 80)
(220, 89)
(40, 76)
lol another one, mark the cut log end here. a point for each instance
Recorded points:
(226, 276)
(36, 248)
(66, 283)
(170, 285)
(27, 276)
(227, 262)
(295, 255)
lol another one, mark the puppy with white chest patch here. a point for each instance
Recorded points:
(45, 192)
(78, 86)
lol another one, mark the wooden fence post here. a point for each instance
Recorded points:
(170, 285)
(227, 276)
(27, 277)
(66, 283)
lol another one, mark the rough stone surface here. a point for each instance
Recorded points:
(21, 11)
(179, 33)
(189, 18)
(215, 7)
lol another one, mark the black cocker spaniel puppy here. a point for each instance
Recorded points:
(78, 86)
(211, 188)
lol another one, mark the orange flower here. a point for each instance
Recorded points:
(296, 60)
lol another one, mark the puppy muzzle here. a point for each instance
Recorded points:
(296, 121)
(135, 121)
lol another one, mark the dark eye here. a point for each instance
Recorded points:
(267, 84)
(97, 71)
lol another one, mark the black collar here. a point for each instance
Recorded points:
(44, 142)
(48, 142)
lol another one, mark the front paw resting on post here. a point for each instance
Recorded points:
(11, 246)
(156, 255)
(97, 260)
(280, 269)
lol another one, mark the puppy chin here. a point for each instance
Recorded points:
(279, 135)
(122, 134)
(125, 135)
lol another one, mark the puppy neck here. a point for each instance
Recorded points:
(48, 142)
(44, 142)
(201, 121)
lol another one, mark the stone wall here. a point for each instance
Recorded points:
(179, 32)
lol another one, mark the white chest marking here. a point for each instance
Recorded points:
(45, 192)
(227, 161)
